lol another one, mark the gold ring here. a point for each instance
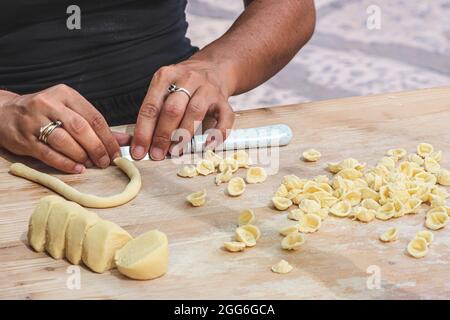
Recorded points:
(45, 131)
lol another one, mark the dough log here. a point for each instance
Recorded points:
(86, 200)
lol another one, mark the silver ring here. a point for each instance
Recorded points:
(173, 88)
(46, 131)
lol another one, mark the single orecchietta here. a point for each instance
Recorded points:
(436, 219)
(418, 247)
(282, 267)
(292, 241)
(205, 167)
(242, 158)
(390, 235)
(427, 235)
(224, 176)
(310, 222)
(256, 175)
(234, 246)
(311, 155)
(246, 216)
(187, 172)
(236, 186)
(246, 237)
(197, 199)
(281, 203)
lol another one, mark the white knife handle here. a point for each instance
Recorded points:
(262, 137)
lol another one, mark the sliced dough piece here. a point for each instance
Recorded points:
(390, 235)
(145, 257)
(282, 267)
(100, 244)
(197, 199)
(310, 223)
(234, 246)
(86, 200)
(292, 241)
(236, 186)
(427, 235)
(75, 233)
(417, 247)
(246, 216)
(311, 155)
(61, 213)
(256, 175)
(37, 224)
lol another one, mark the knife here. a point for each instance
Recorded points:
(260, 137)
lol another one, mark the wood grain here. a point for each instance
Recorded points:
(333, 262)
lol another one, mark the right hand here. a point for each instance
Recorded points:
(83, 140)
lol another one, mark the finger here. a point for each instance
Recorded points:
(149, 112)
(195, 112)
(54, 159)
(170, 118)
(225, 121)
(76, 102)
(61, 141)
(82, 132)
(123, 139)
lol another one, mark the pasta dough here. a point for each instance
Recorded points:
(86, 200)
(292, 241)
(75, 233)
(282, 267)
(100, 244)
(187, 172)
(236, 186)
(245, 237)
(246, 217)
(197, 199)
(281, 203)
(417, 247)
(37, 224)
(145, 257)
(234, 246)
(256, 175)
(309, 223)
(311, 155)
(390, 235)
(61, 213)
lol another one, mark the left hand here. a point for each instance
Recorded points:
(162, 113)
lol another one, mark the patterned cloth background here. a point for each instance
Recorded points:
(344, 58)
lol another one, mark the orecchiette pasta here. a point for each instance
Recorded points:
(311, 155)
(386, 211)
(213, 157)
(205, 167)
(234, 246)
(246, 216)
(397, 153)
(309, 223)
(224, 176)
(436, 220)
(296, 214)
(236, 186)
(187, 172)
(431, 165)
(443, 177)
(390, 235)
(281, 203)
(417, 247)
(416, 159)
(427, 235)
(282, 267)
(309, 206)
(254, 230)
(293, 182)
(282, 191)
(292, 241)
(288, 230)
(245, 237)
(197, 199)
(363, 214)
(341, 209)
(229, 162)
(436, 155)
(256, 175)
(424, 149)
(242, 158)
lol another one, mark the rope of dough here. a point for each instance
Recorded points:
(86, 200)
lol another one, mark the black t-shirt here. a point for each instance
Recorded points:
(119, 46)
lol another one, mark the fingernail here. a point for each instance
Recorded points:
(138, 152)
(157, 154)
(79, 168)
(89, 164)
(104, 161)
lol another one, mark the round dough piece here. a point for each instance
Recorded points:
(197, 199)
(100, 244)
(246, 216)
(417, 247)
(61, 213)
(145, 257)
(75, 233)
(281, 203)
(311, 155)
(254, 230)
(256, 175)
(236, 186)
(187, 172)
(37, 225)
(427, 235)
(86, 200)
(390, 235)
(309, 223)
(292, 241)
(282, 267)
(436, 220)
(245, 237)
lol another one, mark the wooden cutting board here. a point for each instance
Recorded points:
(343, 260)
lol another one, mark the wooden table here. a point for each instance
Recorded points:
(343, 260)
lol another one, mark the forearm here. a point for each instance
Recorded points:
(261, 42)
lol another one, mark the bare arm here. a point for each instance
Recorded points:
(259, 44)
